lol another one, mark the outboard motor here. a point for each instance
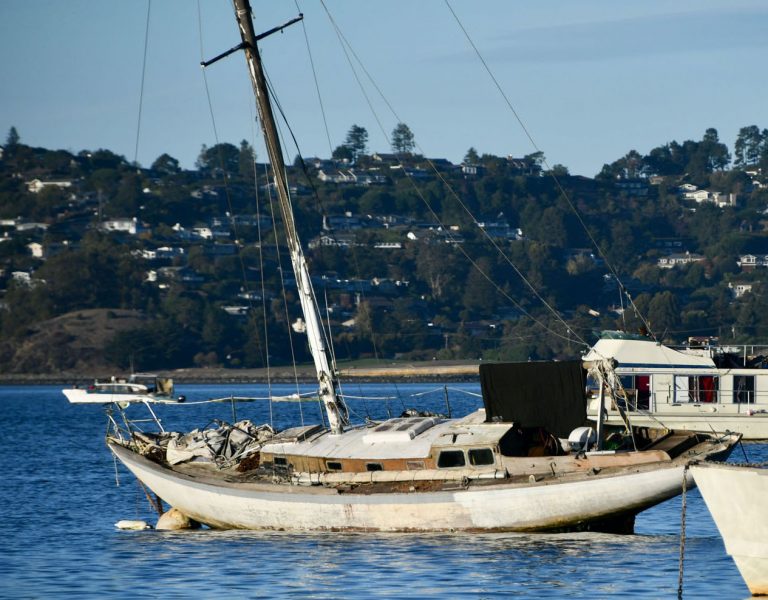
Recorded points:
(582, 439)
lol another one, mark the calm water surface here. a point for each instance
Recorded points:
(59, 502)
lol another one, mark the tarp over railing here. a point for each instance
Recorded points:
(551, 395)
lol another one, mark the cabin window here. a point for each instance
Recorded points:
(332, 465)
(373, 467)
(744, 389)
(481, 456)
(638, 390)
(280, 461)
(414, 465)
(450, 458)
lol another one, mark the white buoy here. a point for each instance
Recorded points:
(133, 525)
(174, 519)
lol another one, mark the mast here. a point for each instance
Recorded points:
(334, 406)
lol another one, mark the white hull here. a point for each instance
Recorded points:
(569, 504)
(82, 396)
(735, 495)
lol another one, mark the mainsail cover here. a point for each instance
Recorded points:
(551, 395)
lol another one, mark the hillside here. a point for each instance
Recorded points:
(107, 266)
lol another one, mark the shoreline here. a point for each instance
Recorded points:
(408, 372)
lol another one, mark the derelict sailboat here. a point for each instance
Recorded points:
(524, 463)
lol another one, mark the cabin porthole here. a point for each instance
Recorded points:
(448, 459)
(479, 457)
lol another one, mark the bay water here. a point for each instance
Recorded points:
(62, 493)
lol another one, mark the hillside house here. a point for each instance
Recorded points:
(339, 240)
(131, 226)
(27, 226)
(720, 199)
(676, 260)
(501, 230)
(35, 249)
(36, 185)
(739, 288)
(633, 187)
(751, 261)
(345, 222)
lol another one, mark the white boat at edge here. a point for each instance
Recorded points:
(735, 496)
(683, 389)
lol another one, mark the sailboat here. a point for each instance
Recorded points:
(527, 461)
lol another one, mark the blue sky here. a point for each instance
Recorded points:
(590, 79)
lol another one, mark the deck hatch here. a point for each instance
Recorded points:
(399, 429)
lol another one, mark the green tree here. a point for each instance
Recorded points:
(433, 269)
(126, 201)
(663, 312)
(480, 296)
(747, 148)
(402, 139)
(357, 141)
(246, 159)
(343, 153)
(219, 159)
(559, 170)
(12, 139)
(471, 157)
(716, 153)
(166, 164)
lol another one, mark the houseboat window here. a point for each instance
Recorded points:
(703, 388)
(593, 386)
(332, 465)
(373, 467)
(480, 456)
(450, 458)
(414, 465)
(744, 389)
(697, 388)
(638, 389)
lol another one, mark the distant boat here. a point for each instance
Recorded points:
(135, 389)
(695, 388)
(523, 463)
(736, 496)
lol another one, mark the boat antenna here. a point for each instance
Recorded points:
(326, 376)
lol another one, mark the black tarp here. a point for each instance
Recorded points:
(551, 395)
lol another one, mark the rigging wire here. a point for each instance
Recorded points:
(141, 89)
(325, 327)
(263, 286)
(346, 45)
(262, 349)
(554, 177)
(284, 294)
(276, 101)
(314, 75)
